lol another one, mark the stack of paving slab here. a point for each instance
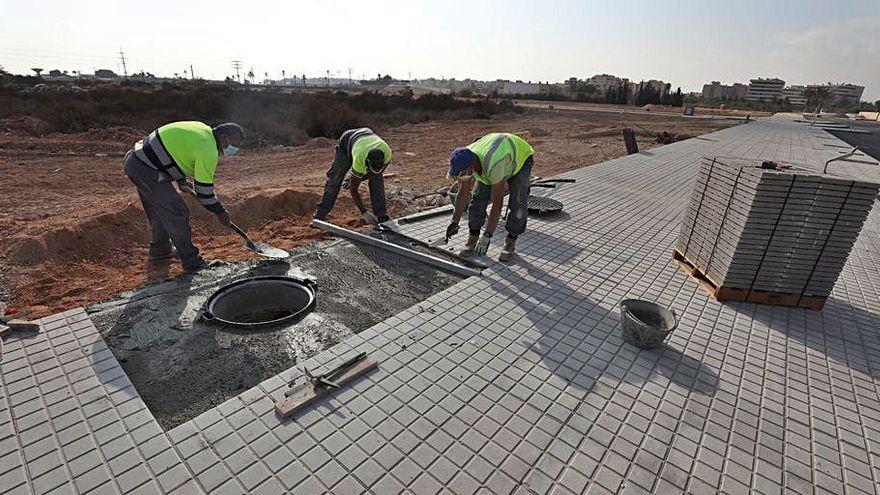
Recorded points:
(785, 230)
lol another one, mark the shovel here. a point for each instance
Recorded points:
(260, 248)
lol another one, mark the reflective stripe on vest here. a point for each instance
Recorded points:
(151, 151)
(363, 131)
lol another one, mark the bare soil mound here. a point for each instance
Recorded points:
(32, 126)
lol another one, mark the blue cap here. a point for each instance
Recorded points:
(460, 160)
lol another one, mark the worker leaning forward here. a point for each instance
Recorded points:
(174, 152)
(367, 156)
(494, 162)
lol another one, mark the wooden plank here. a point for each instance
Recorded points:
(394, 248)
(304, 394)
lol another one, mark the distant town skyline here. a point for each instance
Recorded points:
(686, 43)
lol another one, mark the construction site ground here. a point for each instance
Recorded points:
(514, 382)
(182, 365)
(74, 232)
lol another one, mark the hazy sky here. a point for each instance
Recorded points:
(687, 43)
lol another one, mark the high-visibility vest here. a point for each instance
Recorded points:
(184, 149)
(361, 142)
(501, 155)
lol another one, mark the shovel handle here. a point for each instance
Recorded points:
(242, 233)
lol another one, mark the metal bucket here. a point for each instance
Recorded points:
(259, 301)
(646, 324)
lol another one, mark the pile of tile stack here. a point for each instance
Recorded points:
(772, 235)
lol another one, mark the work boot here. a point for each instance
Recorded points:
(470, 245)
(509, 249)
(170, 255)
(201, 264)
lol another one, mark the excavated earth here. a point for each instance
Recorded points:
(74, 232)
(182, 365)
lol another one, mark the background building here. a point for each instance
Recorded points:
(765, 89)
(604, 81)
(715, 89)
(795, 95)
(842, 93)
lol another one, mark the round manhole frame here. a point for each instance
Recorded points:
(543, 205)
(307, 286)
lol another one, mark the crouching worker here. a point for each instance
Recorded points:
(495, 162)
(366, 155)
(170, 154)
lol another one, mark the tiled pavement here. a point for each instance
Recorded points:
(514, 382)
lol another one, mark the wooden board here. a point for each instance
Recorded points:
(304, 394)
(722, 293)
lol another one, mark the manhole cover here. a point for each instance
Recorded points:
(543, 204)
(260, 301)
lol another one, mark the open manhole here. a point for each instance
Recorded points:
(260, 301)
(543, 204)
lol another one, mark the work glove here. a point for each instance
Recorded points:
(370, 218)
(451, 230)
(346, 184)
(483, 243)
(223, 218)
(185, 187)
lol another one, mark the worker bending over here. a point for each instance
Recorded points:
(366, 155)
(174, 152)
(494, 162)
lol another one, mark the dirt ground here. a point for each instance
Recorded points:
(74, 232)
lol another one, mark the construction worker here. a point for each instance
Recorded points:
(366, 155)
(495, 162)
(174, 152)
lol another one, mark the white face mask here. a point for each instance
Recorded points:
(230, 150)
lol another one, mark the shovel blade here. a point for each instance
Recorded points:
(268, 251)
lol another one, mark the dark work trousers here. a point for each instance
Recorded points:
(517, 202)
(166, 211)
(336, 174)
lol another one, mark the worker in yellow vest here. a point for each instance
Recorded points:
(489, 166)
(169, 154)
(366, 156)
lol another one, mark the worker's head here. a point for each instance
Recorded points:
(228, 137)
(462, 163)
(376, 161)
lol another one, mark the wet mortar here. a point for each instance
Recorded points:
(182, 366)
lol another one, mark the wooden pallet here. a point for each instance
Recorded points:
(721, 293)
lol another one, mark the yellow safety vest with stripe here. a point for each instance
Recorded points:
(184, 149)
(362, 142)
(501, 155)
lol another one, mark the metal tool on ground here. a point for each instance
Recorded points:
(433, 246)
(260, 248)
(424, 215)
(318, 386)
(389, 246)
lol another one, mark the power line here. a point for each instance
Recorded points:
(236, 64)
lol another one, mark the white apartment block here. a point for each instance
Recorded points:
(761, 89)
(795, 95)
(845, 92)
